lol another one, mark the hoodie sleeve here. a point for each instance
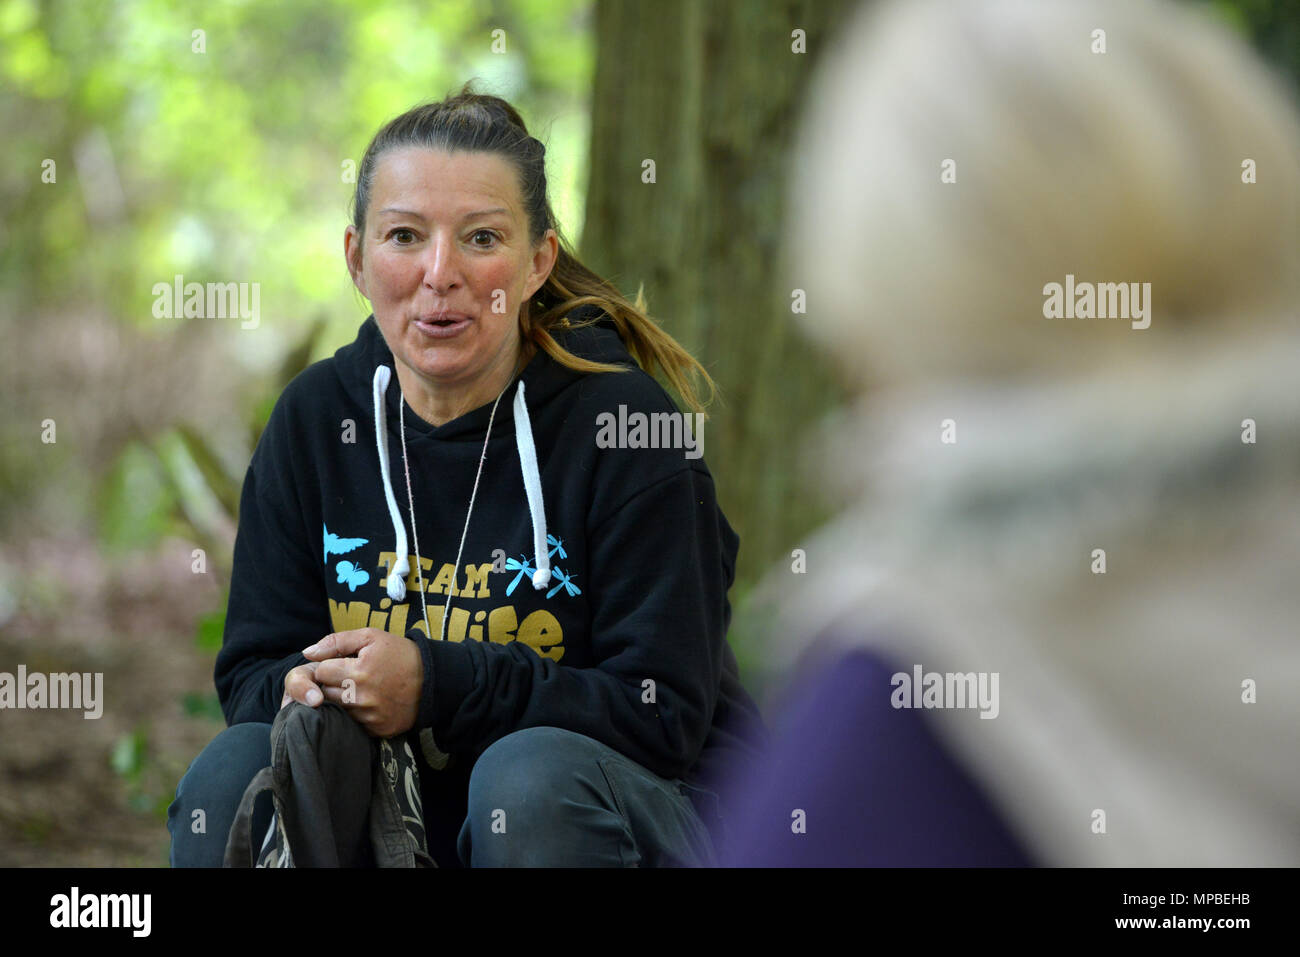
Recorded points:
(660, 565)
(277, 602)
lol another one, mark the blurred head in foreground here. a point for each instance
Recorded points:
(1054, 246)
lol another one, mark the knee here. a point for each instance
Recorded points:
(537, 775)
(537, 798)
(210, 791)
(228, 762)
(535, 762)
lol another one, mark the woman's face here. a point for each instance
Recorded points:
(446, 232)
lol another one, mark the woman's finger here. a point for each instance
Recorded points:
(336, 694)
(333, 671)
(341, 643)
(300, 685)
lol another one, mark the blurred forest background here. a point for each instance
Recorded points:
(224, 156)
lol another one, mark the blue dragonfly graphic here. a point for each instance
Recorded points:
(338, 546)
(351, 575)
(557, 545)
(520, 563)
(566, 582)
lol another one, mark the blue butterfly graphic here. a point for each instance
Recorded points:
(351, 575)
(338, 546)
(566, 582)
(524, 568)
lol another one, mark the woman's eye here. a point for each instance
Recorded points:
(402, 232)
(484, 232)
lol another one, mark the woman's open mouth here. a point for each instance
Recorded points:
(443, 326)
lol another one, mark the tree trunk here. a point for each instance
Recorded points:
(710, 92)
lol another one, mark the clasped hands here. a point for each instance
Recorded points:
(377, 676)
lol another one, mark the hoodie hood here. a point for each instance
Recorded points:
(368, 368)
(544, 378)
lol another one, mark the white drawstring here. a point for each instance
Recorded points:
(401, 565)
(532, 488)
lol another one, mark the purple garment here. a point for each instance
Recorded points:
(877, 787)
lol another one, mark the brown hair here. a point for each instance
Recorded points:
(478, 122)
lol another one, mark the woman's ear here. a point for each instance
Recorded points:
(544, 259)
(352, 255)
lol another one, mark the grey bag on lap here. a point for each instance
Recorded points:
(341, 797)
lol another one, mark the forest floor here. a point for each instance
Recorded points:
(93, 792)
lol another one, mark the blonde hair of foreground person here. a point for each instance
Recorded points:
(1119, 692)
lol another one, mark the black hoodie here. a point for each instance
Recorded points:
(622, 639)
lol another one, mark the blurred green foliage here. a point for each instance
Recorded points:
(135, 502)
(206, 706)
(148, 782)
(1271, 26)
(230, 147)
(208, 636)
(210, 629)
(128, 756)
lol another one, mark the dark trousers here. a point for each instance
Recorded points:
(540, 797)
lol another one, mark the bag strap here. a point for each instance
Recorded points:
(239, 845)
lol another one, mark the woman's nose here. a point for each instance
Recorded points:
(442, 267)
